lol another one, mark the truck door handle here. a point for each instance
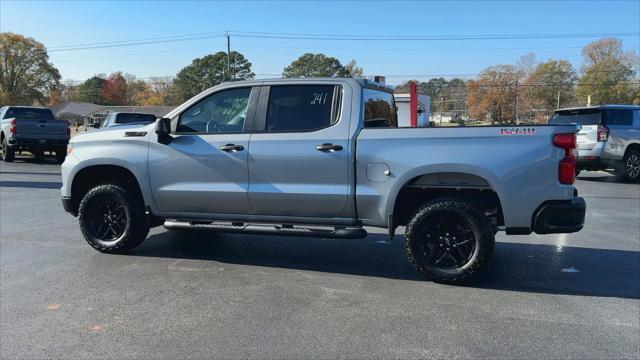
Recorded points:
(231, 148)
(328, 147)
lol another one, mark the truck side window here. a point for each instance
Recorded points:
(379, 109)
(618, 117)
(221, 112)
(301, 108)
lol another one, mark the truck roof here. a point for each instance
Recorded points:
(606, 106)
(363, 82)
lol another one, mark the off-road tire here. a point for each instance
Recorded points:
(136, 228)
(480, 226)
(8, 152)
(38, 155)
(623, 172)
(61, 154)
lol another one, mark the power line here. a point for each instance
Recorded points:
(433, 38)
(336, 37)
(121, 44)
(167, 37)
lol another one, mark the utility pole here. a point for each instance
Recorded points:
(558, 106)
(229, 56)
(517, 115)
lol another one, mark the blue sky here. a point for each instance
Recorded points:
(79, 22)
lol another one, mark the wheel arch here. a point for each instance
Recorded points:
(633, 146)
(92, 175)
(422, 185)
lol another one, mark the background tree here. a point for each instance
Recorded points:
(91, 90)
(165, 88)
(26, 75)
(452, 97)
(492, 95)
(114, 90)
(209, 71)
(141, 94)
(319, 65)
(351, 70)
(607, 73)
(549, 81)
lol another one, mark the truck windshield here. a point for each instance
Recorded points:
(582, 117)
(29, 113)
(379, 109)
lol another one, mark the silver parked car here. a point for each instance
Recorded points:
(608, 140)
(323, 158)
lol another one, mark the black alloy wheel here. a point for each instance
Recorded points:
(106, 219)
(449, 242)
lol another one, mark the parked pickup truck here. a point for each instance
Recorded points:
(323, 158)
(609, 138)
(32, 129)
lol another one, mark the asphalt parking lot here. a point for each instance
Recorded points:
(233, 296)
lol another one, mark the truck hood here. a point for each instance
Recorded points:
(111, 133)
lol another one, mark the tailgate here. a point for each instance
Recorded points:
(587, 137)
(41, 128)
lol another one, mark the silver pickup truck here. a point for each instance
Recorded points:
(323, 158)
(33, 129)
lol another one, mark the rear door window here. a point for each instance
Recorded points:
(302, 108)
(379, 109)
(622, 117)
(580, 116)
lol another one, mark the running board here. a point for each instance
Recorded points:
(282, 230)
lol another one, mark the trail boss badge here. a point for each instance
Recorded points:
(518, 131)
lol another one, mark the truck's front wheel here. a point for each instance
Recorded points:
(112, 219)
(449, 240)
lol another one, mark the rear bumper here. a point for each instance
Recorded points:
(591, 163)
(560, 216)
(39, 143)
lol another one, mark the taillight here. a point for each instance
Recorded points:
(567, 166)
(12, 127)
(603, 133)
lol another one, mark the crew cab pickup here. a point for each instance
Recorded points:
(32, 129)
(323, 158)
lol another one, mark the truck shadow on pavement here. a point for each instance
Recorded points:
(515, 267)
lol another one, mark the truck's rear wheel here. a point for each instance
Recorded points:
(8, 152)
(61, 154)
(629, 170)
(448, 240)
(112, 219)
(38, 154)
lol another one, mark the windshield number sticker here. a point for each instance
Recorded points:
(319, 98)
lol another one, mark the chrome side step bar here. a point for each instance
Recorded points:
(265, 229)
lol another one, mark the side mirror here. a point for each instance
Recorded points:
(163, 130)
(96, 125)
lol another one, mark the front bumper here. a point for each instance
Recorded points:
(68, 205)
(560, 216)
